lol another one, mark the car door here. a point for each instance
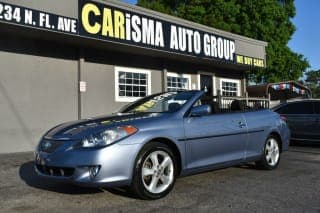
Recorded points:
(258, 124)
(300, 118)
(315, 127)
(215, 139)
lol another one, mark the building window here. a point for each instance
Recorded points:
(178, 82)
(230, 87)
(131, 84)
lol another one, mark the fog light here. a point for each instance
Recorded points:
(94, 170)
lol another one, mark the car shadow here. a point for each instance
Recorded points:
(30, 177)
(250, 166)
(307, 144)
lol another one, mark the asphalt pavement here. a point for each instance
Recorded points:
(293, 187)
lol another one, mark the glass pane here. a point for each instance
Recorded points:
(142, 94)
(166, 102)
(297, 108)
(122, 75)
(136, 75)
(143, 76)
(143, 89)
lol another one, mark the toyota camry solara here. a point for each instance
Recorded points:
(149, 143)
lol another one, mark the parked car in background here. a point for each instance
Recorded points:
(303, 118)
(158, 138)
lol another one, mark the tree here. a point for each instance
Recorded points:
(313, 82)
(267, 20)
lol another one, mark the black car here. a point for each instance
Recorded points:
(303, 118)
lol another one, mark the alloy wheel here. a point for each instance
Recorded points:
(157, 172)
(272, 152)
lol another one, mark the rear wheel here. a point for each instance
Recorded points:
(271, 154)
(155, 171)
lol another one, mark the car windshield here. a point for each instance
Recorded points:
(164, 102)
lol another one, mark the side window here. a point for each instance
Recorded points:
(297, 108)
(208, 100)
(283, 110)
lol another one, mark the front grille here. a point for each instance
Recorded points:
(50, 146)
(55, 171)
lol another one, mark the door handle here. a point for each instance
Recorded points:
(241, 124)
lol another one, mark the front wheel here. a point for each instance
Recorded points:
(271, 154)
(155, 171)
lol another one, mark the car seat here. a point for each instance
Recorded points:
(173, 107)
(237, 105)
(214, 107)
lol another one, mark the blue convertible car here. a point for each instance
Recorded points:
(158, 138)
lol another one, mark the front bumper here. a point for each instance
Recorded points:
(115, 164)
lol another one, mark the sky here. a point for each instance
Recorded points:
(305, 40)
(130, 1)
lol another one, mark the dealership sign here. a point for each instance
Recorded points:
(37, 19)
(113, 24)
(108, 23)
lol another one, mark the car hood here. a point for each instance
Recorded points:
(78, 129)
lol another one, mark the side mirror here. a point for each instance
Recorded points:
(201, 110)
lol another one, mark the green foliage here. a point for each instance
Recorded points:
(313, 82)
(164, 6)
(267, 20)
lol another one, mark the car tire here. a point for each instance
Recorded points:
(271, 154)
(154, 172)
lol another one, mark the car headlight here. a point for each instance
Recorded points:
(108, 137)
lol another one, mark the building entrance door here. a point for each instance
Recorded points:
(206, 84)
